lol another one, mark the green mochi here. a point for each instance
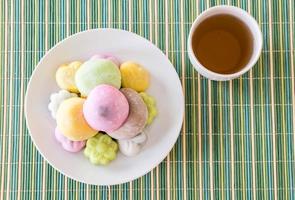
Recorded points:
(96, 72)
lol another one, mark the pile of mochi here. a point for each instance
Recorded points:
(102, 107)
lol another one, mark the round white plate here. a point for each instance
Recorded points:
(165, 87)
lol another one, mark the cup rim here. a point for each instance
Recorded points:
(217, 76)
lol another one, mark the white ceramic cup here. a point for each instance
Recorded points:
(252, 25)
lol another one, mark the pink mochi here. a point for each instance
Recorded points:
(105, 108)
(108, 57)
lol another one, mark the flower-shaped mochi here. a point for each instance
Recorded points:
(101, 149)
(151, 106)
(133, 146)
(56, 99)
(69, 145)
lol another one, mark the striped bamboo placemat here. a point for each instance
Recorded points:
(237, 140)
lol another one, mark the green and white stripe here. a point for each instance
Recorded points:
(237, 140)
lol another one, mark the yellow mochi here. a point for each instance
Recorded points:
(70, 120)
(134, 76)
(65, 76)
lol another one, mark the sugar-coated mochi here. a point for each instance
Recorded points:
(106, 108)
(96, 72)
(70, 120)
(65, 76)
(134, 76)
(136, 119)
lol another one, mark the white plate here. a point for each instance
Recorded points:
(165, 87)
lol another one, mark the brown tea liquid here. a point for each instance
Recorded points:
(223, 44)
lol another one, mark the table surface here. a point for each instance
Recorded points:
(237, 139)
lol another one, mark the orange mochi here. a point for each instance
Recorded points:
(70, 120)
